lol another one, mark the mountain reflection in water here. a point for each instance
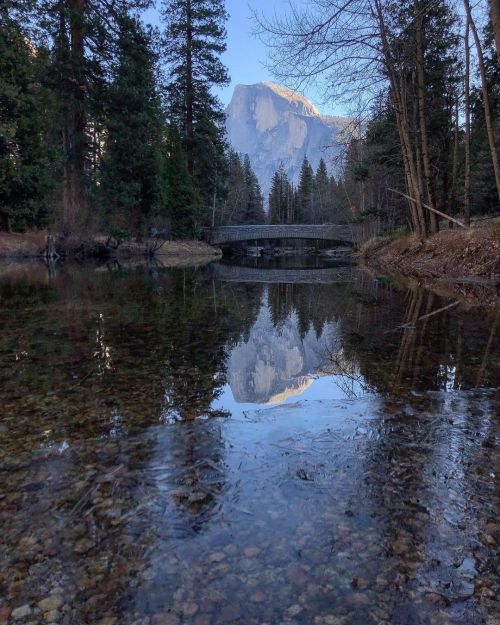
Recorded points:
(276, 362)
(180, 448)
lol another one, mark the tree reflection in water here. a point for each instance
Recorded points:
(122, 500)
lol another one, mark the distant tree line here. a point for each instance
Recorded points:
(242, 202)
(316, 199)
(110, 125)
(426, 79)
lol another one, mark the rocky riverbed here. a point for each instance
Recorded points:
(161, 465)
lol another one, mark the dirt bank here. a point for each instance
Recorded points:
(459, 263)
(451, 254)
(32, 245)
(26, 245)
(177, 249)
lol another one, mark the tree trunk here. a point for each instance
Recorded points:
(410, 158)
(495, 20)
(415, 133)
(398, 97)
(467, 129)
(434, 224)
(189, 89)
(62, 51)
(486, 99)
(362, 198)
(50, 248)
(74, 192)
(452, 191)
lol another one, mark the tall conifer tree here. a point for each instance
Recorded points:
(281, 198)
(28, 153)
(322, 199)
(254, 208)
(83, 35)
(183, 198)
(195, 38)
(234, 207)
(305, 193)
(133, 181)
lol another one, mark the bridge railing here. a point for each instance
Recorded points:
(250, 232)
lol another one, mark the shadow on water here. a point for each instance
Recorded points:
(201, 446)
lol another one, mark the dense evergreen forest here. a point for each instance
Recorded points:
(425, 78)
(318, 197)
(110, 125)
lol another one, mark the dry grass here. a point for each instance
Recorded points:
(26, 245)
(32, 244)
(186, 249)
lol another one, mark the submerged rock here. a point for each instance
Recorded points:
(21, 612)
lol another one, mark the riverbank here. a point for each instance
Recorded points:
(451, 254)
(33, 245)
(460, 264)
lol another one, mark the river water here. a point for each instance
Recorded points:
(257, 445)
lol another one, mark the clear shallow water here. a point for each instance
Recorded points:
(202, 446)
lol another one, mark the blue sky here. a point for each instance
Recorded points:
(246, 56)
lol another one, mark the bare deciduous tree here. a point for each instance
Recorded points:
(357, 46)
(419, 46)
(486, 97)
(467, 127)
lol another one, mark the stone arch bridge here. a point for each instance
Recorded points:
(223, 235)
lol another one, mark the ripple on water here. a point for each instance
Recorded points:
(123, 503)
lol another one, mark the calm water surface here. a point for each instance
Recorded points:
(254, 445)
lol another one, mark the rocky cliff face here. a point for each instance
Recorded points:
(274, 125)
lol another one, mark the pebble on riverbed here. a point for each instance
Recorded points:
(206, 523)
(21, 612)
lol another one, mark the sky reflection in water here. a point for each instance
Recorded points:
(180, 449)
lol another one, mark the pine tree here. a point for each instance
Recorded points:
(305, 192)
(322, 199)
(255, 207)
(83, 37)
(194, 41)
(281, 198)
(275, 205)
(238, 190)
(184, 203)
(425, 51)
(235, 200)
(409, 142)
(241, 201)
(28, 154)
(133, 185)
